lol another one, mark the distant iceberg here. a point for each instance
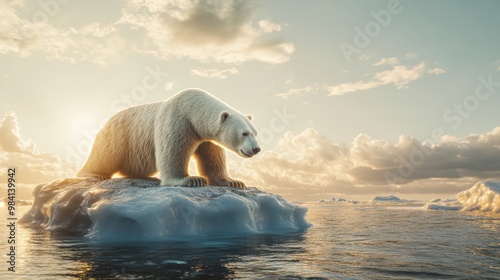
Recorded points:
(390, 198)
(140, 209)
(484, 196)
(450, 204)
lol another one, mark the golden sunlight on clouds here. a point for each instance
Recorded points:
(311, 164)
(310, 161)
(399, 76)
(78, 62)
(33, 166)
(214, 73)
(169, 28)
(225, 29)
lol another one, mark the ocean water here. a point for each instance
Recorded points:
(347, 241)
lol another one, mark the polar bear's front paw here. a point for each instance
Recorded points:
(226, 182)
(195, 181)
(236, 183)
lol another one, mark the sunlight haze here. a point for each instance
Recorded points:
(351, 98)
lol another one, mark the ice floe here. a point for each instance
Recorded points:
(140, 209)
(484, 196)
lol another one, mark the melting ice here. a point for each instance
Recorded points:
(484, 196)
(141, 209)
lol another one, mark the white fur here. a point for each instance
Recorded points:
(139, 141)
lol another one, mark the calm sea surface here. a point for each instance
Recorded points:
(346, 242)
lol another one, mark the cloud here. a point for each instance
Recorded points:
(399, 76)
(306, 163)
(95, 43)
(292, 92)
(311, 163)
(267, 26)
(214, 73)
(387, 61)
(16, 34)
(408, 160)
(97, 30)
(208, 31)
(436, 71)
(10, 137)
(32, 166)
(220, 31)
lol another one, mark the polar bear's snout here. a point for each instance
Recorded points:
(250, 151)
(249, 147)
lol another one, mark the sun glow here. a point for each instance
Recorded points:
(80, 122)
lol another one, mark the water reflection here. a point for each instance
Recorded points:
(209, 257)
(361, 242)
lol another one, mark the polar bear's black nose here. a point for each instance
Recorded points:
(255, 150)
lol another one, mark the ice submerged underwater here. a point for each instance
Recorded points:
(140, 209)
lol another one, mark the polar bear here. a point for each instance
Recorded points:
(162, 136)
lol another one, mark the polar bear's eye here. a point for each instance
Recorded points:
(246, 133)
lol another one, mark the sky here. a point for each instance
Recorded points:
(351, 98)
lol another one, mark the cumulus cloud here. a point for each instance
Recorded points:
(214, 73)
(10, 137)
(32, 166)
(220, 31)
(305, 163)
(408, 160)
(95, 42)
(399, 76)
(16, 34)
(310, 162)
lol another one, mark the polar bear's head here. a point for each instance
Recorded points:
(238, 134)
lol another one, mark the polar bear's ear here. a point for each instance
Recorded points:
(223, 116)
(250, 117)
